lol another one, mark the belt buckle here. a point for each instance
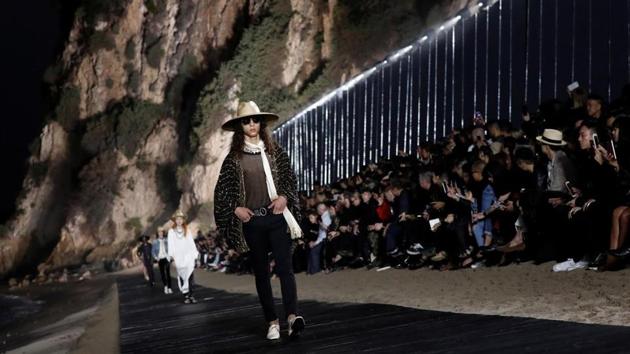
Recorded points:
(263, 211)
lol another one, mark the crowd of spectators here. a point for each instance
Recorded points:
(554, 188)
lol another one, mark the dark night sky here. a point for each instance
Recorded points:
(32, 38)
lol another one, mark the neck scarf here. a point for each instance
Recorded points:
(294, 227)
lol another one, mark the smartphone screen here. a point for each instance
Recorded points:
(610, 147)
(569, 188)
(595, 141)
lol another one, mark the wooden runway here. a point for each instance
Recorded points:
(151, 322)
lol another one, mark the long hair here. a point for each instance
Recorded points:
(238, 139)
(184, 226)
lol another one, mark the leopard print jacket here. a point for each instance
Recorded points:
(229, 193)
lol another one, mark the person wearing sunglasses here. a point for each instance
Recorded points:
(256, 206)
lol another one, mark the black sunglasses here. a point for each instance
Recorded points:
(246, 120)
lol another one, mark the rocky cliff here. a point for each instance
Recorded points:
(142, 88)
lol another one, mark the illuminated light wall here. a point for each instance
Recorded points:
(492, 58)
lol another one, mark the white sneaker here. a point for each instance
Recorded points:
(477, 265)
(273, 332)
(569, 265)
(165, 289)
(563, 266)
(170, 291)
(296, 327)
(578, 265)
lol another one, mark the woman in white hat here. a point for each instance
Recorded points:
(559, 167)
(256, 206)
(183, 252)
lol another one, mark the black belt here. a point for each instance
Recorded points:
(261, 211)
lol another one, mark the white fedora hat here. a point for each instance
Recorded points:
(551, 137)
(245, 110)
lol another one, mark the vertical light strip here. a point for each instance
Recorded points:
(372, 114)
(389, 114)
(406, 137)
(463, 77)
(382, 82)
(409, 139)
(420, 91)
(610, 23)
(435, 87)
(355, 153)
(365, 120)
(499, 63)
(485, 108)
(590, 45)
(397, 129)
(326, 141)
(334, 140)
(453, 77)
(555, 51)
(444, 93)
(527, 18)
(511, 4)
(426, 132)
(475, 69)
(573, 41)
(346, 117)
(540, 42)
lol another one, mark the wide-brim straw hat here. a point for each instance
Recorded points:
(248, 109)
(179, 214)
(551, 137)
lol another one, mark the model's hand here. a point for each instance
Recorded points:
(278, 204)
(244, 214)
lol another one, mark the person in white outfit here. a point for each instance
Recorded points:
(182, 252)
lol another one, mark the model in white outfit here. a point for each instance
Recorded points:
(183, 252)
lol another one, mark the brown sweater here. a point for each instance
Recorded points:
(256, 194)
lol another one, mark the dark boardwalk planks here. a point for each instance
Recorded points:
(226, 322)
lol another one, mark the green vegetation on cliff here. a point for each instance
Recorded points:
(125, 126)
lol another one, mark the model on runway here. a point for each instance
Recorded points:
(255, 208)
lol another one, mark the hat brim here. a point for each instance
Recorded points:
(232, 124)
(541, 139)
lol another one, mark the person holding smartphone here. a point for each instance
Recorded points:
(587, 216)
(620, 225)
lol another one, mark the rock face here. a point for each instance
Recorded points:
(117, 158)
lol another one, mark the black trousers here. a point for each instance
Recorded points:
(148, 264)
(165, 271)
(264, 234)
